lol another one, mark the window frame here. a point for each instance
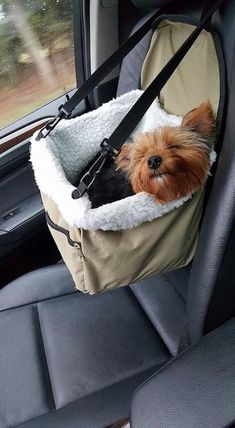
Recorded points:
(51, 108)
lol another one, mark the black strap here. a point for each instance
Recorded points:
(114, 143)
(66, 109)
(132, 118)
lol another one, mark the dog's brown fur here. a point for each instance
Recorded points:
(184, 153)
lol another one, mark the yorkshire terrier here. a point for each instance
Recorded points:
(169, 163)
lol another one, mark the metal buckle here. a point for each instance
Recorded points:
(63, 114)
(106, 146)
(45, 131)
(89, 177)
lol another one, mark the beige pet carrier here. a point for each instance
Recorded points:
(128, 240)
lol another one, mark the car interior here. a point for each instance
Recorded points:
(159, 352)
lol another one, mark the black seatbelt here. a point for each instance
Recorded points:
(66, 109)
(113, 144)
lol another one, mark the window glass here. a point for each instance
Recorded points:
(36, 55)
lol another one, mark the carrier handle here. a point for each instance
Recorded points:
(66, 109)
(114, 143)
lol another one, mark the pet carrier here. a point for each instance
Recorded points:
(136, 237)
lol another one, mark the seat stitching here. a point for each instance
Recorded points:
(71, 403)
(45, 356)
(38, 301)
(175, 288)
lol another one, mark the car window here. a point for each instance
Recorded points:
(36, 55)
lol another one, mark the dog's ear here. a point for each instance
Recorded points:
(123, 159)
(201, 120)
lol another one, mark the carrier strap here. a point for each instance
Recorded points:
(113, 144)
(66, 109)
(135, 114)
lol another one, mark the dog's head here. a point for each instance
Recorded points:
(171, 162)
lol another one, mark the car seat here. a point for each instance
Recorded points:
(69, 359)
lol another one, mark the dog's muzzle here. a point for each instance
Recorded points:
(154, 162)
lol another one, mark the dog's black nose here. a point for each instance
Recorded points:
(154, 162)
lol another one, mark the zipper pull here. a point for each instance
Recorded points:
(78, 246)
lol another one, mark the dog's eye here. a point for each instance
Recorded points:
(173, 146)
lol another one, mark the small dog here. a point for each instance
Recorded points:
(169, 163)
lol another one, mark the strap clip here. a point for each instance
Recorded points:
(105, 146)
(89, 177)
(45, 131)
(63, 114)
(63, 111)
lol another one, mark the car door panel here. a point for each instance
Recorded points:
(25, 242)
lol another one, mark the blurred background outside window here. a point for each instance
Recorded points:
(36, 55)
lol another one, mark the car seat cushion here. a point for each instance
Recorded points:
(41, 284)
(60, 349)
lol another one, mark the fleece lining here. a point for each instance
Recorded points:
(58, 159)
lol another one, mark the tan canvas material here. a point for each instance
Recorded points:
(108, 259)
(196, 78)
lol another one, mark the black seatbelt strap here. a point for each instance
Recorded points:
(66, 109)
(113, 144)
(128, 124)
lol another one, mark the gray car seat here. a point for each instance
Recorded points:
(59, 370)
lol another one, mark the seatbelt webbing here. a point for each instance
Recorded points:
(135, 114)
(66, 109)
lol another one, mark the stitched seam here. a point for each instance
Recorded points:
(148, 315)
(45, 358)
(156, 367)
(152, 322)
(138, 373)
(38, 301)
(217, 284)
(175, 288)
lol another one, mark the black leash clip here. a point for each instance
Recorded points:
(51, 124)
(89, 177)
(45, 131)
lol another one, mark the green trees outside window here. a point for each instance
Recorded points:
(36, 55)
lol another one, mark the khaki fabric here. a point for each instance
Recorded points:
(196, 78)
(111, 259)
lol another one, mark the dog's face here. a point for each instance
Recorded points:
(171, 162)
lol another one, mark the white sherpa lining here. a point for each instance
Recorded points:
(59, 158)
